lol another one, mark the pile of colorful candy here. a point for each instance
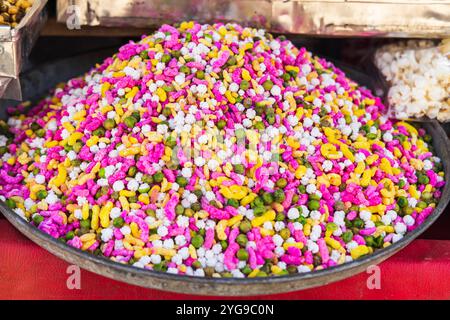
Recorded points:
(217, 150)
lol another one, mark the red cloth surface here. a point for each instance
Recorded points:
(420, 271)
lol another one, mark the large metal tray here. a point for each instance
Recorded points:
(50, 74)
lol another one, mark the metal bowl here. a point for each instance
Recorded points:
(49, 74)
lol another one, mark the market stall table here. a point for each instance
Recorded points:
(420, 271)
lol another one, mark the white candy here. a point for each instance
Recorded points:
(418, 73)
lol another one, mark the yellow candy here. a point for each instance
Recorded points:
(246, 75)
(266, 232)
(23, 158)
(85, 211)
(299, 112)
(368, 102)
(186, 25)
(95, 217)
(127, 245)
(323, 179)
(417, 164)
(253, 273)
(385, 165)
(87, 237)
(309, 98)
(276, 269)
(119, 110)
(142, 252)
(133, 92)
(227, 77)
(255, 65)
(360, 167)
(144, 198)
(287, 245)
(153, 136)
(248, 199)
(388, 186)
(230, 97)
(68, 126)
(222, 31)
(307, 229)
(92, 141)
(66, 163)
(335, 179)
(192, 251)
(161, 94)
(413, 191)
(293, 143)
(346, 152)
(88, 244)
(413, 131)
(51, 144)
(234, 192)
(130, 151)
(406, 145)
(361, 145)
(278, 207)
(253, 137)
(11, 161)
(135, 206)
(84, 178)
(359, 251)
(105, 87)
(268, 216)
(79, 115)
(119, 74)
(127, 193)
(220, 229)
(134, 230)
(300, 172)
(61, 177)
(235, 220)
(333, 243)
(387, 229)
(42, 206)
(387, 193)
(74, 137)
(371, 159)
(163, 251)
(106, 109)
(292, 68)
(329, 151)
(376, 209)
(104, 214)
(365, 180)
